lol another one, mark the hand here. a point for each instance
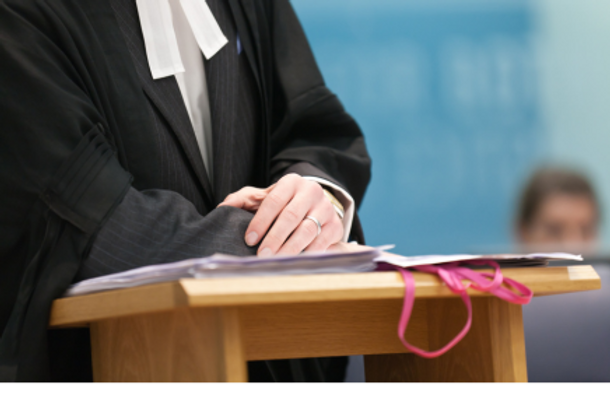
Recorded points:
(280, 215)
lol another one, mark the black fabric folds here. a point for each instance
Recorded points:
(81, 119)
(88, 183)
(82, 194)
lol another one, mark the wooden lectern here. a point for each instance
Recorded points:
(206, 329)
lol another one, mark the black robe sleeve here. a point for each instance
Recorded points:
(312, 134)
(60, 180)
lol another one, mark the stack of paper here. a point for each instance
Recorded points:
(307, 263)
(537, 259)
(233, 266)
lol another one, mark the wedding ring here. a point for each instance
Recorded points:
(316, 222)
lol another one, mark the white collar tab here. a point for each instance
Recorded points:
(160, 38)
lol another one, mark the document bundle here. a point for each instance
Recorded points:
(219, 265)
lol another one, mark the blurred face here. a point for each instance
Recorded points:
(565, 222)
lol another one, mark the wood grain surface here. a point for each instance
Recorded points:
(294, 289)
(206, 330)
(185, 344)
(493, 350)
(328, 329)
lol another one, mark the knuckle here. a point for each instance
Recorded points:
(329, 211)
(323, 239)
(310, 229)
(289, 178)
(315, 189)
(275, 200)
(291, 215)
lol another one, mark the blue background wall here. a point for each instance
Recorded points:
(460, 100)
(446, 94)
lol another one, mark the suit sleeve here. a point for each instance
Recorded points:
(156, 226)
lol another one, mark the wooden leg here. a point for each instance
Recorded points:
(180, 345)
(493, 350)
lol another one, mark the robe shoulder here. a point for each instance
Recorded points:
(39, 14)
(311, 124)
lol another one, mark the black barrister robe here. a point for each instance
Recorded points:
(79, 134)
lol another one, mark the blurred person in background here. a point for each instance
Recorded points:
(567, 336)
(558, 211)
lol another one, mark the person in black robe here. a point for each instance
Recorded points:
(100, 170)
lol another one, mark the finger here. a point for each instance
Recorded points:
(291, 217)
(247, 198)
(234, 200)
(305, 233)
(332, 232)
(270, 208)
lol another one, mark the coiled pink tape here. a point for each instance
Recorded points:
(452, 275)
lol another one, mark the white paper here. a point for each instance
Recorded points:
(219, 265)
(503, 259)
(232, 266)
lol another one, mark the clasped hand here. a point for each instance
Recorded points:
(280, 216)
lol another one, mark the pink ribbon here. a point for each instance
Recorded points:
(453, 276)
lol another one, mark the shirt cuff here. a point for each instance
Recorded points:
(344, 198)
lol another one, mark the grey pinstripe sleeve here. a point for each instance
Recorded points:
(158, 226)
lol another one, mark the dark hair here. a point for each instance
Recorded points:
(550, 181)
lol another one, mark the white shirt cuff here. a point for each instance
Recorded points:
(344, 198)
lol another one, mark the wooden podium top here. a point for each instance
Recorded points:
(248, 291)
